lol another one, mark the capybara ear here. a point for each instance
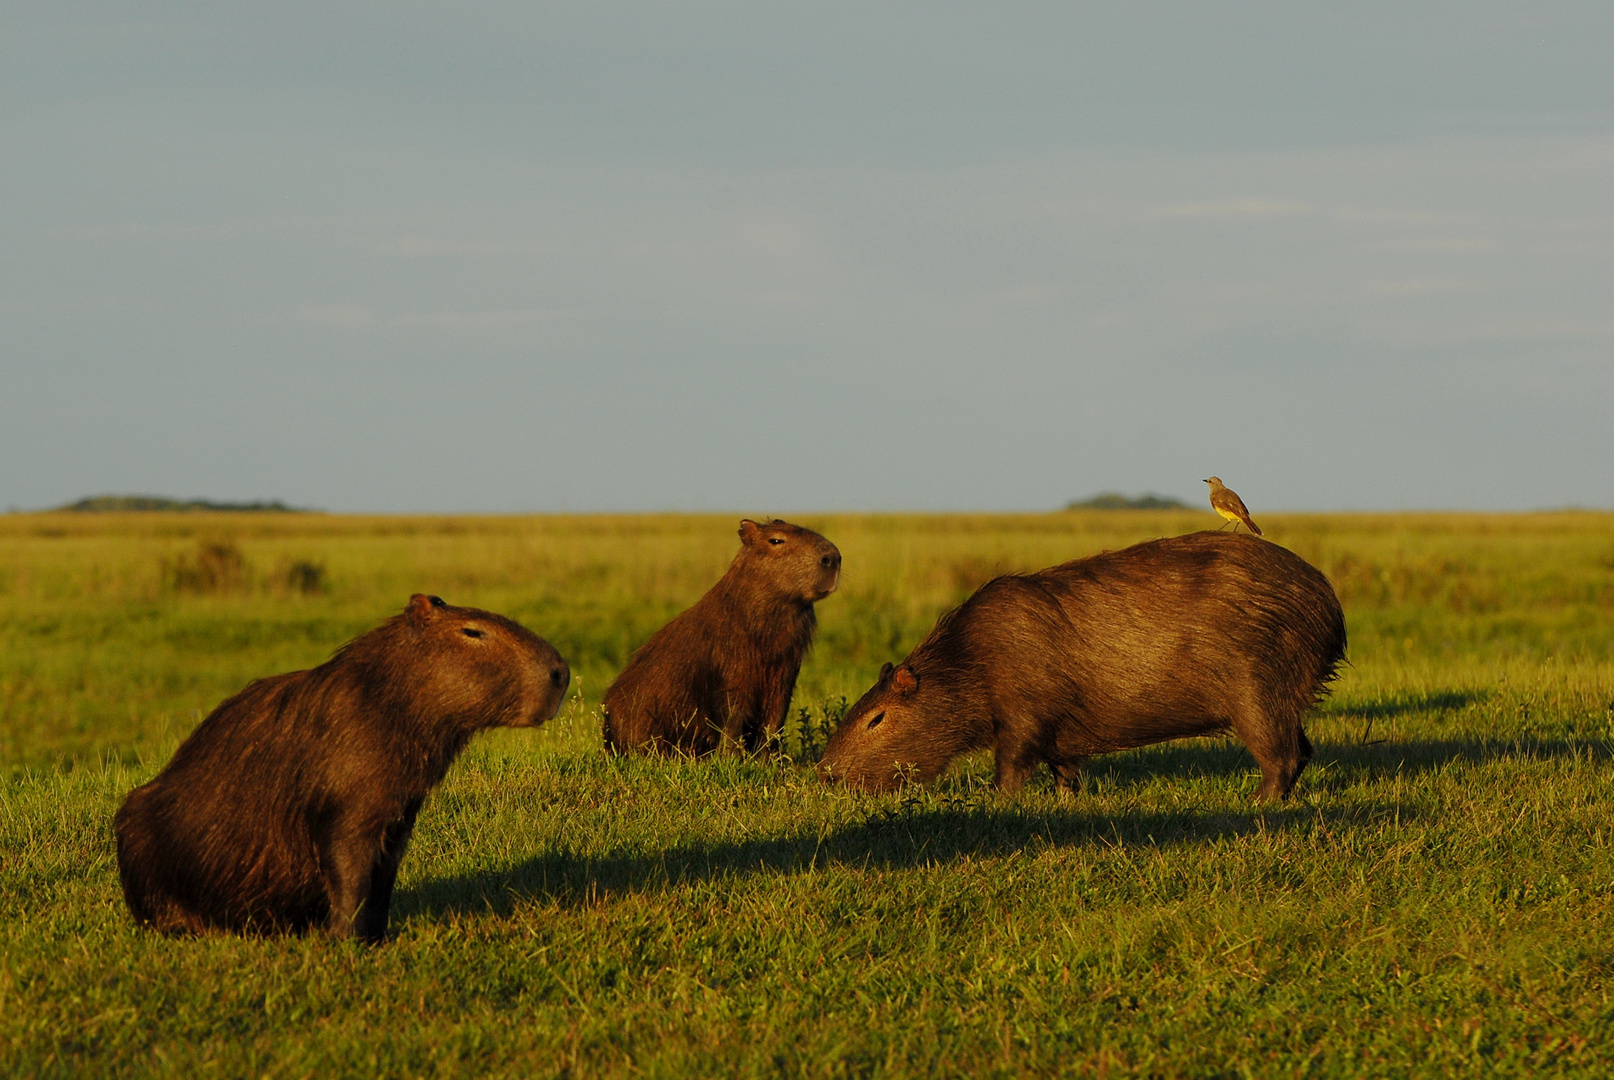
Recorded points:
(885, 671)
(748, 531)
(905, 680)
(420, 606)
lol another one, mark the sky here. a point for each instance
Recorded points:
(773, 258)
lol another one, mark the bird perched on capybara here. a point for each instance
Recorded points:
(1226, 502)
(290, 806)
(722, 672)
(1191, 635)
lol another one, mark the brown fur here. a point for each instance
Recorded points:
(1192, 635)
(290, 806)
(721, 673)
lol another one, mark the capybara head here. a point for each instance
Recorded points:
(894, 734)
(789, 558)
(465, 667)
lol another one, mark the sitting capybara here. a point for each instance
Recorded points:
(289, 807)
(1186, 636)
(721, 673)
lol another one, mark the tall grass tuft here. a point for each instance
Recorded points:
(216, 566)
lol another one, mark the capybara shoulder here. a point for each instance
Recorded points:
(290, 805)
(1191, 635)
(722, 672)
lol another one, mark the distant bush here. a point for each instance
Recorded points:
(1114, 500)
(218, 566)
(305, 576)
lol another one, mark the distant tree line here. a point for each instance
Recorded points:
(112, 503)
(1114, 500)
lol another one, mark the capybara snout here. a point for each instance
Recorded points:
(477, 656)
(884, 742)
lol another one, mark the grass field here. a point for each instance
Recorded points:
(1438, 899)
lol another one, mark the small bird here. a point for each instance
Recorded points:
(1226, 501)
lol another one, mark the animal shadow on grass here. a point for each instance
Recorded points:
(1339, 745)
(889, 838)
(1226, 758)
(1402, 703)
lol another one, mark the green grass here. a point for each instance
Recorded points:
(1435, 901)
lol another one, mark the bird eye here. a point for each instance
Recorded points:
(879, 716)
(470, 632)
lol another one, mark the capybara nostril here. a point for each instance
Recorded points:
(830, 562)
(559, 677)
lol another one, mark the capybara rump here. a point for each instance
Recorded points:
(1191, 635)
(290, 806)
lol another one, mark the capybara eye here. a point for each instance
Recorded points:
(437, 601)
(471, 632)
(879, 716)
(776, 539)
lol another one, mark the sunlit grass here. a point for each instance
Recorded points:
(1434, 901)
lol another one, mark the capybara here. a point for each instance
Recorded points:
(1186, 636)
(290, 806)
(721, 674)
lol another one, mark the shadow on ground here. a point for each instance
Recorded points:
(1403, 703)
(1226, 757)
(985, 825)
(939, 829)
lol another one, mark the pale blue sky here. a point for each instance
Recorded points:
(772, 258)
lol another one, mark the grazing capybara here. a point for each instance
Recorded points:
(721, 673)
(290, 806)
(1186, 636)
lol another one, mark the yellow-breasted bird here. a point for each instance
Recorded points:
(1226, 501)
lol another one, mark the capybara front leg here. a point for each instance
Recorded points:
(371, 923)
(1067, 778)
(1017, 756)
(347, 859)
(1014, 764)
(772, 712)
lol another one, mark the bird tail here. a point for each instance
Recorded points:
(1256, 529)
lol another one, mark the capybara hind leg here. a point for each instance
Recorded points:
(168, 917)
(1281, 750)
(1277, 783)
(1280, 768)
